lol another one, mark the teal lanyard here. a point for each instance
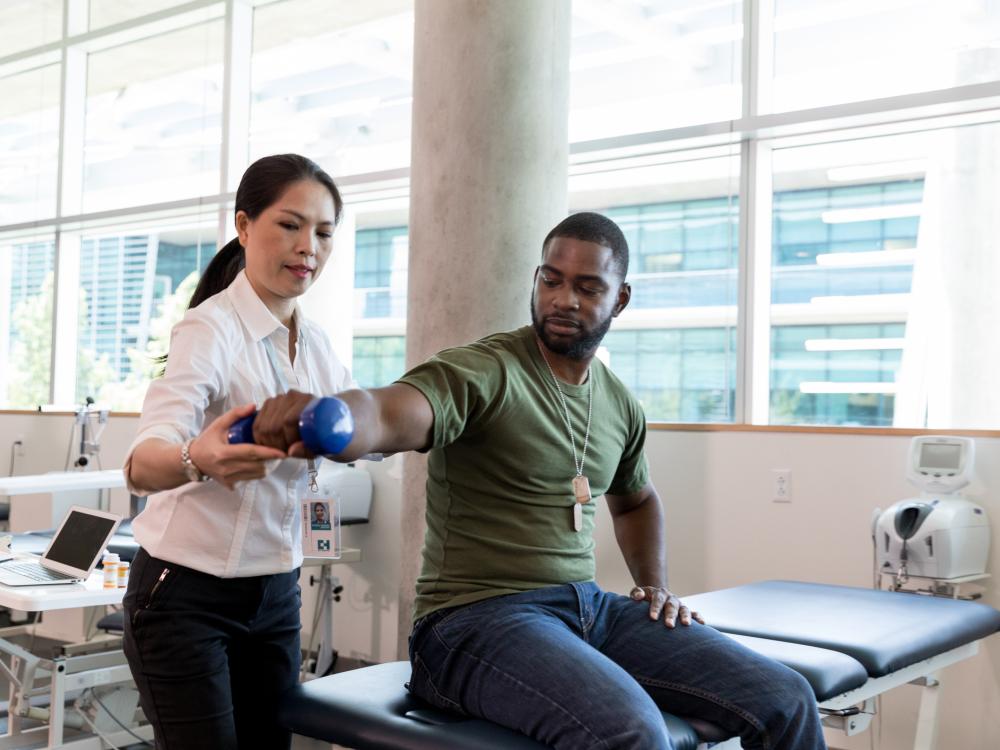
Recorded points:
(272, 357)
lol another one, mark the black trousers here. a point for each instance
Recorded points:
(212, 656)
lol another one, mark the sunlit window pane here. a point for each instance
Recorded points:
(380, 264)
(108, 12)
(26, 277)
(25, 24)
(852, 50)
(29, 145)
(674, 346)
(335, 86)
(884, 281)
(133, 287)
(153, 124)
(653, 64)
(378, 360)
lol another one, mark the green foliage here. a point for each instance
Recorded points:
(31, 351)
(128, 394)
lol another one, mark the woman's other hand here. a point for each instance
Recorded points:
(228, 464)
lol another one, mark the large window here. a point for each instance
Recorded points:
(333, 82)
(164, 90)
(133, 288)
(380, 265)
(809, 191)
(29, 144)
(378, 360)
(26, 278)
(125, 126)
(852, 50)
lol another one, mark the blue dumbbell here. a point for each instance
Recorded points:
(325, 425)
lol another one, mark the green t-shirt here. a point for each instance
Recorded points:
(500, 471)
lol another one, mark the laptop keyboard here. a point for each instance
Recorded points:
(34, 571)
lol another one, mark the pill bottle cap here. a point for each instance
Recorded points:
(111, 557)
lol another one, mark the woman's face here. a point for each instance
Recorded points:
(288, 244)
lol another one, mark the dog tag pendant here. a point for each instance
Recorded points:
(581, 489)
(577, 517)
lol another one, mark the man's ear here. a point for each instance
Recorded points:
(624, 295)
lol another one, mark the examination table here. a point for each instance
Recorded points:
(851, 644)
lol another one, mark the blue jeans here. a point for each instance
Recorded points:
(212, 656)
(575, 667)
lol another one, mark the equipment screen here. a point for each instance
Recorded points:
(940, 456)
(80, 539)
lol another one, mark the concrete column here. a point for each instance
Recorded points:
(488, 180)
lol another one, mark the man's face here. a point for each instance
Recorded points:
(578, 290)
(320, 513)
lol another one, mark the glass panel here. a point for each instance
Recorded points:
(153, 125)
(646, 65)
(29, 142)
(133, 288)
(884, 281)
(674, 346)
(380, 265)
(25, 24)
(378, 360)
(335, 86)
(834, 52)
(108, 12)
(26, 274)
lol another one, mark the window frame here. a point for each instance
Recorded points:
(755, 133)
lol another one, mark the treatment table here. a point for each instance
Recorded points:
(887, 639)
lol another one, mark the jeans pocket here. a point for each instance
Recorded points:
(423, 686)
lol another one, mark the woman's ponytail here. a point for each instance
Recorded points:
(220, 273)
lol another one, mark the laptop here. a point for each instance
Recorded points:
(71, 555)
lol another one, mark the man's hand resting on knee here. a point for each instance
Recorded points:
(661, 600)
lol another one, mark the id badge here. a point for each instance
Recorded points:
(320, 515)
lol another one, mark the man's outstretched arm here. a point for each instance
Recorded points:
(392, 419)
(639, 528)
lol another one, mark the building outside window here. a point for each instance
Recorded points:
(790, 265)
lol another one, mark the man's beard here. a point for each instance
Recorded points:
(582, 345)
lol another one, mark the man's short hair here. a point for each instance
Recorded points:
(593, 227)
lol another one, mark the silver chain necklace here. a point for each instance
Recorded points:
(577, 462)
(581, 485)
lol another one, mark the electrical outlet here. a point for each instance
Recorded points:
(782, 485)
(19, 445)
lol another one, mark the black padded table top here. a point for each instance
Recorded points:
(370, 709)
(885, 631)
(829, 673)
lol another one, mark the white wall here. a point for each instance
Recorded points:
(723, 530)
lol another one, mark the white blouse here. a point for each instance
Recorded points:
(218, 361)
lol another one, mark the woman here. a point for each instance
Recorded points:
(212, 607)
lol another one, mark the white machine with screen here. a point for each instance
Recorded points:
(941, 464)
(940, 534)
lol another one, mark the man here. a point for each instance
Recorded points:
(526, 430)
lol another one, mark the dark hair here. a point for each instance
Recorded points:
(263, 183)
(593, 227)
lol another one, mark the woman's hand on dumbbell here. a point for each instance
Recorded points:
(228, 464)
(277, 423)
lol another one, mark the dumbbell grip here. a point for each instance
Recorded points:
(326, 426)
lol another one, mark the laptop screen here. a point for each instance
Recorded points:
(79, 540)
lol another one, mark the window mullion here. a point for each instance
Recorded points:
(235, 150)
(754, 300)
(69, 193)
